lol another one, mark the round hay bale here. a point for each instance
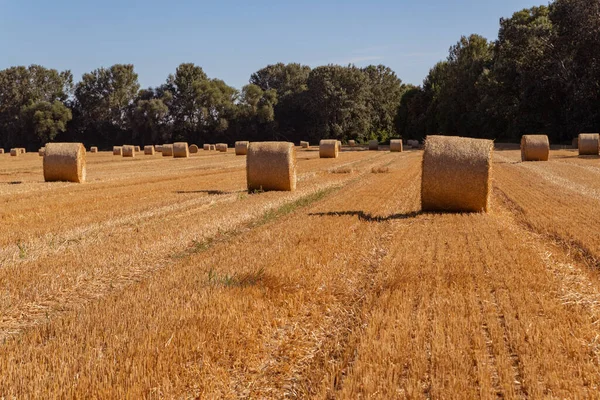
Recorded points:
(373, 145)
(212, 147)
(22, 150)
(305, 145)
(137, 149)
(167, 150)
(222, 147)
(128, 151)
(535, 148)
(93, 149)
(456, 174)
(589, 144)
(241, 148)
(149, 150)
(271, 166)
(181, 150)
(328, 148)
(15, 152)
(193, 149)
(1, 151)
(396, 145)
(64, 162)
(41, 151)
(352, 143)
(117, 151)
(158, 148)
(206, 147)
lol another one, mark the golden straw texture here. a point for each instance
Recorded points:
(396, 145)
(328, 148)
(589, 144)
(41, 151)
(193, 149)
(271, 166)
(206, 147)
(158, 148)
(222, 147)
(241, 148)
(456, 174)
(64, 162)
(93, 149)
(305, 145)
(167, 150)
(128, 151)
(181, 150)
(137, 149)
(149, 150)
(373, 145)
(15, 152)
(212, 147)
(535, 148)
(117, 151)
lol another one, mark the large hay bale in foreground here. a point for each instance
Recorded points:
(271, 166)
(535, 148)
(352, 143)
(373, 145)
(64, 162)
(193, 149)
(396, 145)
(456, 174)
(93, 149)
(128, 151)
(149, 150)
(117, 151)
(137, 149)
(328, 148)
(305, 145)
(181, 150)
(167, 150)
(15, 152)
(222, 147)
(589, 144)
(241, 148)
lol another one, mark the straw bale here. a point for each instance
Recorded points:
(181, 150)
(65, 162)
(396, 145)
(193, 149)
(535, 148)
(271, 166)
(222, 147)
(305, 145)
(15, 152)
(93, 149)
(128, 151)
(373, 145)
(589, 144)
(456, 174)
(149, 150)
(241, 148)
(117, 151)
(167, 150)
(328, 148)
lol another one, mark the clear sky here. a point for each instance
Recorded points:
(230, 39)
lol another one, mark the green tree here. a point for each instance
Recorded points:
(386, 90)
(44, 120)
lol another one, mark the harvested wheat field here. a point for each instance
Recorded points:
(166, 278)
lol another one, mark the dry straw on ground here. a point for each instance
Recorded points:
(193, 149)
(535, 148)
(138, 149)
(64, 162)
(206, 147)
(396, 145)
(351, 143)
(373, 145)
(128, 151)
(589, 144)
(167, 150)
(241, 148)
(305, 145)
(117, 151)
(93, 149)
(149, 150)
(271, 166)
(328, 148)
(15, 152)
(456, 174)
(181, 150)
(222, 147)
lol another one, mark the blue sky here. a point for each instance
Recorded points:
(231, 39)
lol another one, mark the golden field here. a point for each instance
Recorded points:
(164, 278)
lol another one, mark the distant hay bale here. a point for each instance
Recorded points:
(137, 149)
(181, 150)
(413, 143)
(158, 148)
(589, 144)
(271, 166)
(167, 150)
(328, 148)
(241, 148)
(352, 143)
(305, 145)
(535, 148)
(149, 150)
(64, 162)
(93, 149)
(1, 151)
(396, 145)
(206, 147)
(128, 151)
(373, 145)
(41, 151)
(15, 152)
(22, 150)
(222, 147)
(117, 151)
(212, 147)
(193, 149)
(456, 174)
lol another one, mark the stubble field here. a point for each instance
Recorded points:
(164, 278)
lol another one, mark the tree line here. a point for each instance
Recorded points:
(541, 75)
